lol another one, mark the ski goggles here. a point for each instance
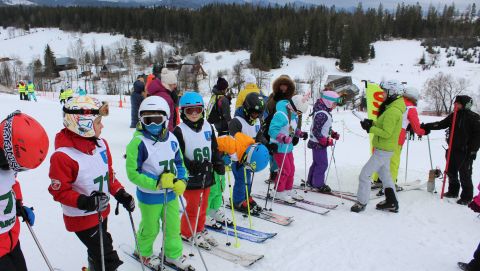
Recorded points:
(103, 110)
(191, 110)
(156, 119)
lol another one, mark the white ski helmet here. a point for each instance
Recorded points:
(411, 93)
(80, 112)
(392, 87)
(300, 103)
(154, 104)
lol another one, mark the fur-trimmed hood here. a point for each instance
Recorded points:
(284, 79)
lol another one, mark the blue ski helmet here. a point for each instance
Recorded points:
(190, 99)
(256, 157)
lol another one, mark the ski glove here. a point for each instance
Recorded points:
(326, 141)
(335, 135)
(426, 128)
(366, 124)
(166, 180)
(227, 160)
(474, 206)
(179, 187)
(219, 167)
(26, 213)
(285, 139)
(300, 134)
(126, 200)
(97, 201)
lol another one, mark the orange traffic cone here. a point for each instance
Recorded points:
(120, 103)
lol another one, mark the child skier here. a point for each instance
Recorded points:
(199, 145)
(321, 137)
(283, 129)
(474, 264)
(155, 164)
(83, 178)
(23, 133)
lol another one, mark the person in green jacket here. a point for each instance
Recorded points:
(386, 130)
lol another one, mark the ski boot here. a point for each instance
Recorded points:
(390, 203)
(463, 201)
(358, 207)
(451, 195)
(219, 217)
(376, 185)
(181, 263)
(242, 207)
(293, 193)
(198, 240)
(209, 238)
(285, 197)
(465, 266)
(152, 262)
(211, 222)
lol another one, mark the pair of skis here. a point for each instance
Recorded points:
(244, 233)
(270, 216)
(129, 251)
(303, 205)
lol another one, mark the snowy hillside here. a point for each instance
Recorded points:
(427, 233)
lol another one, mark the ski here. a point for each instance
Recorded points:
(295, 205)
(255, 232)
(240, 234)
(128, 250)
(313, 203)
(232, 255)
(270, 216)
(334, 194)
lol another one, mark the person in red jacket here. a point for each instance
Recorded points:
(165, 86)
(82, 178)
(24, 134)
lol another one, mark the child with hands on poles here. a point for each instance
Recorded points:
(155, 164)
(82, 178)
(23, 133)
(199, 146)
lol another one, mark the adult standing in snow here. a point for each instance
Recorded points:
(250, 86)
(22, 90)
(465, 144)
(166, 88)
(83, 179)
(386, 131)
(321, 137)
(219, 114)
(136, 98)
(23, 133)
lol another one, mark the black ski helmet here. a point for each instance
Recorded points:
(254, 103)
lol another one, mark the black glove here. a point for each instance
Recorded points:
(219, 167)
(295, 141)
(474, 206)
(426, 128)
(126, 200)
(366, 124)
(473, 155)
(97, 201)
(272, 147)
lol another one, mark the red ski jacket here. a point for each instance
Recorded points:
(9, 239)
(64, 171)
(412, 118)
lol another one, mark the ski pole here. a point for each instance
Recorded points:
(336, 171)
(224, 212)
(268, 193)
(357, 115)
(100, 232)
(305, 165)
(278, 180)
(164, 224)
(227, 171)
(406, 160)
(39, 246)
(135, 237)
(449, 152)
(191, 230)
(246, 196)
(199, 206)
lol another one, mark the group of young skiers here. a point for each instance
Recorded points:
(175, 151)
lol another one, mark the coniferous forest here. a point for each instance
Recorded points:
(269, 32)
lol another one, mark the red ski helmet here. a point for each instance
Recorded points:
(23, 142)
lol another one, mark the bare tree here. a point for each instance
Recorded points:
(6, 74)
(314, 74)
(76, 50)
(442, 89)
(159, 56)
(238, 74)
(262, 77)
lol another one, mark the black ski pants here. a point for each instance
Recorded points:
(474, 264)
(460, 164)
(91, 239)
(135, 100)
(13, 261)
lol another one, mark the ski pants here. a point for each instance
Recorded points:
(460, 164)
(135, 100)
(13, 261)
(316, 173)
(285, 180)
(239, 173)
(215, 199)
(32, 96)
(150, 227)
(196, 216)
(378, 162)
(91, 239)
(474, 264)
(394, 164)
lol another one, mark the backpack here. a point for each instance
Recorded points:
(213, 110)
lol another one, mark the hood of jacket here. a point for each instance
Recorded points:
(156, 87)
(320, 106)
(67, 138)
(284, 80)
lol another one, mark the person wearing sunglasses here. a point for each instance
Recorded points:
(155, 165)
(24, 134)
(199, 146)
(82, 179)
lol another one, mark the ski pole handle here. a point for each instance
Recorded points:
(355, 113)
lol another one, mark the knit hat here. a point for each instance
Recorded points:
(329, 98)
(250, 79)
(222, 84)
(300, 103)
(168, 77)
